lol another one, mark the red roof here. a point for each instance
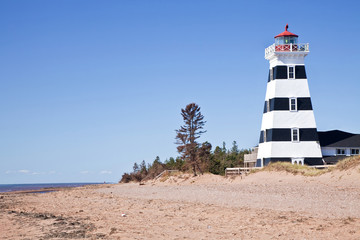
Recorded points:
(286, 33)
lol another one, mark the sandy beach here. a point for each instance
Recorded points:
(264, 205)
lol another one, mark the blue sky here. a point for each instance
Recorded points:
(90, 87)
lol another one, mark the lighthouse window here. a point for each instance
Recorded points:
(295, 134)
(271, 74)
(291, 72)
(287, 40)
(293, 104)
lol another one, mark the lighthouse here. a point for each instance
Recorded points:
(288, 128)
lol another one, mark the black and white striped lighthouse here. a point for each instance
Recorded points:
(288, 129)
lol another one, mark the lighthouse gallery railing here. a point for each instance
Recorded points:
(299, 47)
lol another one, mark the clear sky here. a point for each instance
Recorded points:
(90, 87)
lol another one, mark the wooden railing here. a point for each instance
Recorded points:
(239, 170)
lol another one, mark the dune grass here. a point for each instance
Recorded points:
(348, 163)
(294, 169)
(345, 164)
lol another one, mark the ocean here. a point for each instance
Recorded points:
(37, 186)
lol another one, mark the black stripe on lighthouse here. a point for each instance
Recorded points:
(300, 72)
(281, 72)
(284, 135)
(304, 104)
(283, 104)
(279, 104)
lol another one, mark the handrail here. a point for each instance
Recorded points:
(292, 47)
(165, 172)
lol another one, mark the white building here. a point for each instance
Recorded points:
(336, 145)
(288, 129)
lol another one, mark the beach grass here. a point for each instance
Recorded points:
(348, 163)
(296, 169)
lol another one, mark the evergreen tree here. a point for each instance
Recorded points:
(217, 161)
(156, 168)
(234, 148)
(188, 134)
(204, 155)
(136, 167)
(143, 168)
(224, 147)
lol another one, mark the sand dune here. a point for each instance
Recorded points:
(265, 205)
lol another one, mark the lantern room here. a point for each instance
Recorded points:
(287, 42)
(286, 37)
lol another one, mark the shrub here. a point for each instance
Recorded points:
(126, 178)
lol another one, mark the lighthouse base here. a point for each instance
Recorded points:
(308, 161)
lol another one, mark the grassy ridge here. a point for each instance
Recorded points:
(347, 163)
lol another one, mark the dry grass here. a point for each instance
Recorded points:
(294, 169)
(346, 164)
(168, 174)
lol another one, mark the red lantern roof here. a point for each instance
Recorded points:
(286, 33)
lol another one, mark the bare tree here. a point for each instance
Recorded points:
(188, 133)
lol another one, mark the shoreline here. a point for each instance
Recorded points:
(40, 187)
(56, 189)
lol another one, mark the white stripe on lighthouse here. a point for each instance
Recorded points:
(287, 88)
(289, 149)
(287, 119)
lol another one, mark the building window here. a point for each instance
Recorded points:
(271, 74)
(295, 135)
(340, 151)
(355, 151)
(291, 72)
(293, 104)
(268, 106)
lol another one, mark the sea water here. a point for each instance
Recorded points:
(37, 186)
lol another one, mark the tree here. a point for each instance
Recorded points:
(188, 134)
(143, 168)
(170, 163)
(136, 168)
(156, 165)
(204, 155)
(234, 148)
(224, 147)
(156, 168)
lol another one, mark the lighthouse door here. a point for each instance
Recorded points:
(299, 161)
